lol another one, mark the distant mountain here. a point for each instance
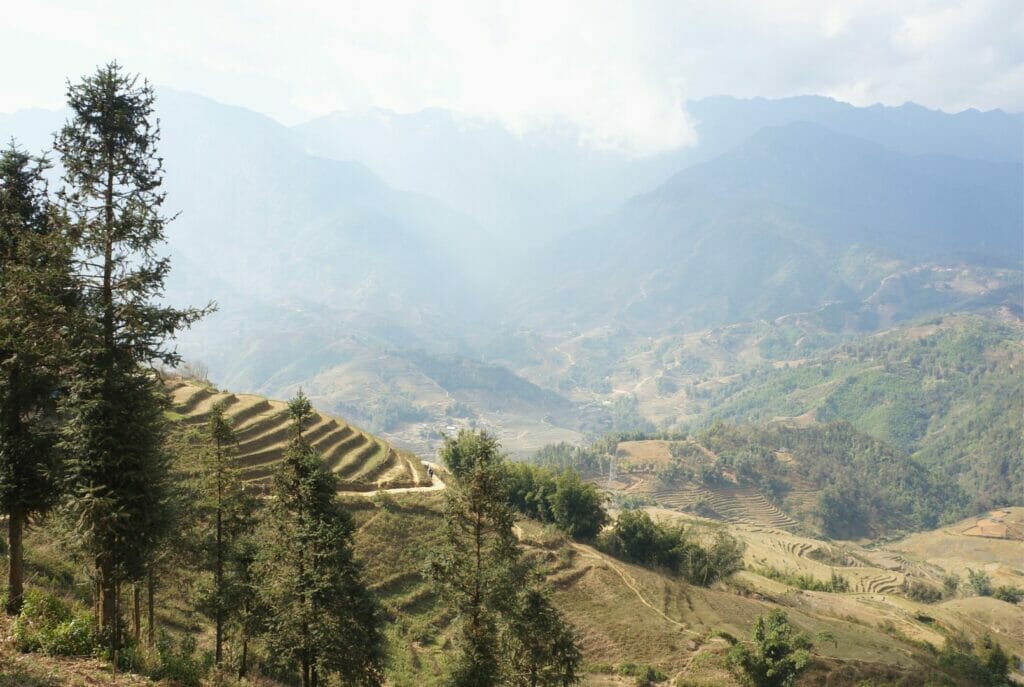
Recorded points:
(795, 217)
(545, 182)
(723, 122)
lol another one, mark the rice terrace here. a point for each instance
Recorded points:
(488, 344)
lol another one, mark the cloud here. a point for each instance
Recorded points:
(619, 71)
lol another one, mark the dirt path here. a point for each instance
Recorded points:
(437, 485)
(631, 584)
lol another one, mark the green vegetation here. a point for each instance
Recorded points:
(921, 591)
(948, 393)
(983, 665)
(563, 499)
(325, 621)
(836, 583)
(1011, 595)
(34, 295)
(866, 487)
(636, 538)
(778, 655)
(979, 582)
(508, 631)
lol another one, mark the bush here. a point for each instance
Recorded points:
(950, 583)
(49, 625)
(836, 583)
(979, 582)
(919, 591)
(778, 655)
(638, 539)
(1012, 595)
(178, 663)
(645, 675)
(574, 506)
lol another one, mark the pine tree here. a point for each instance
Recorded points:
(34, 301)
(324, 619)
(117, 472)
(227, 515)
(508, 631)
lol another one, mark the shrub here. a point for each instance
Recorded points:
(178, 663)
(778, 655)
(919, 591)
(638, 539)
(950, 583)
(979, 582)
(1012, 595)
(49, 625)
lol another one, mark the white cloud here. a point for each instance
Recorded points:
(617, 70)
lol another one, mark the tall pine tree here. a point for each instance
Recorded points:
(325, 621)
(227, 518)
(34, 308)
(116, 469)
(509, 633)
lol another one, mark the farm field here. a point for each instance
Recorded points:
(362, 461)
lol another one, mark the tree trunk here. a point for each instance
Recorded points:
(16, 571)
(219, 574)
(151, 627)
(108, 601)
(305, 672)
(137, 612)
(243, 666)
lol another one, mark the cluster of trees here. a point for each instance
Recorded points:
(508, 632)
(82, 426)
(84, 435)
(636, 538)
(560, 498)
(866, 486)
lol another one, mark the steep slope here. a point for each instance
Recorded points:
(361, 461)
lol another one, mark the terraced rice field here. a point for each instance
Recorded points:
(734, 504)
(362, 461)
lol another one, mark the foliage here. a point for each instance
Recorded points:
(564, 499)
(983, 665)
(1011, 595)
(866, 487)
(225, 518)
(951, 397)
(921, 591)
(506, 629)
(646, 676)
(564, 456)
(979, 582)
(35, 296)
(836, 582)
(324, 619)
(177, 661)
(950, 584)
(779, 653)
(116, 481)
(49, 625)
(637, 539)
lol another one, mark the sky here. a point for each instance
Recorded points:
(620, 71)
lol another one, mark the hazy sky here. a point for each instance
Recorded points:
(619, 69)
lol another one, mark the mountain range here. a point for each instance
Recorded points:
(366, 256)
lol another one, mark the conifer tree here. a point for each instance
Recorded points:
(117, 472)
(228, 515)
(508, 631)
(324, 619)
(34, 301)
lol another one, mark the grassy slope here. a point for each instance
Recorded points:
(627, 614)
